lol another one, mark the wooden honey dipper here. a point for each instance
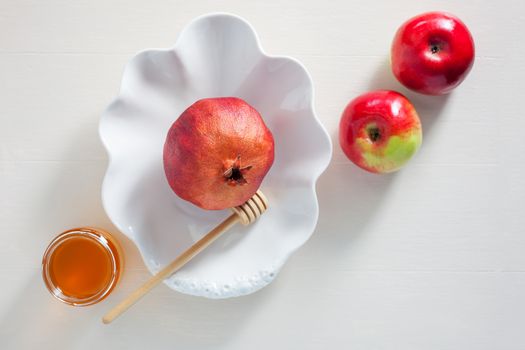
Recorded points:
(245, 214)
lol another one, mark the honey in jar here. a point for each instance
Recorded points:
(82, 266)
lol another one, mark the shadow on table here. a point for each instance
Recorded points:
(73, 198)
(429, 108)
(349, 200)
(187, 322)
(164, 317)
(35, 318)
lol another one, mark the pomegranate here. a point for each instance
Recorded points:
(217, 153)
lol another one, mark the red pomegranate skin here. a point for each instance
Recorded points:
(217, 153)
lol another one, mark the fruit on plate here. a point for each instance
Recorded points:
(380, 131)
(217, 153)
(432, 53)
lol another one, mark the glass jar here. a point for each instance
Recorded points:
(82, 266)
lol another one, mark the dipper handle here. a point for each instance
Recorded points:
(245, 214)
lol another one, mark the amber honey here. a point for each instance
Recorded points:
(82, 266)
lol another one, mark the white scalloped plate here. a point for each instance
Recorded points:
(215, 55)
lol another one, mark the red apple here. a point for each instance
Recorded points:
(380, 131)
(432, 53)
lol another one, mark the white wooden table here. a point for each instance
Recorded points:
(432, 257)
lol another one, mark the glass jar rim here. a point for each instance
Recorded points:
(97, 236)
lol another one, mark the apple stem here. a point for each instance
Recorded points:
(374, 134)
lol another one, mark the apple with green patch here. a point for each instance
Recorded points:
(380, 131)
